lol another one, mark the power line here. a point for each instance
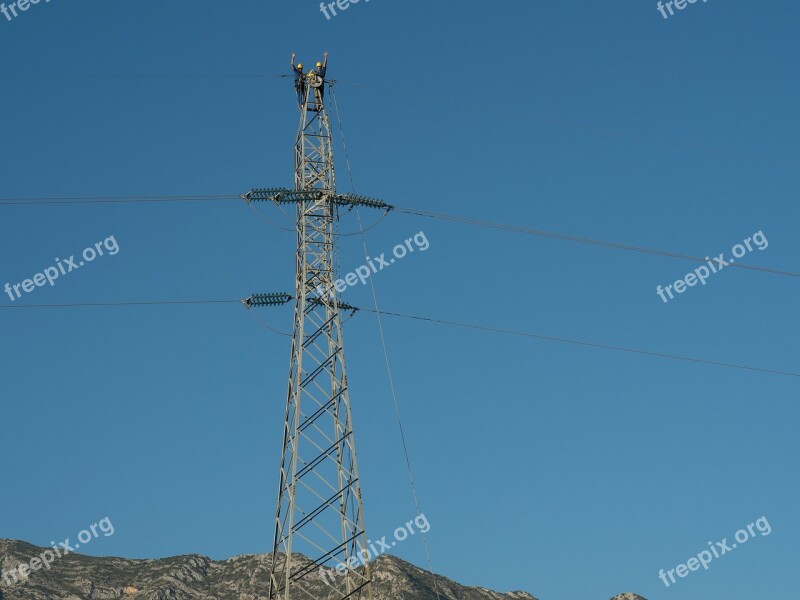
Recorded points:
(405, 210)
(165, 76)
(266, 325)
(474, 326)
(269, 221)
(115, 304)
(582, 240)
(585, 343)
(377, 312)
(114, 199)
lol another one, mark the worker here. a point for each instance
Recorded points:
(322, 68)
(299, 82)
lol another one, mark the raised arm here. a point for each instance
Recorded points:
(293, 55)
(325, 60)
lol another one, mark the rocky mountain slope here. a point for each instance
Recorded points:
(193, 577)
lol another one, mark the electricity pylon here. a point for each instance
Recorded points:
(320, 512)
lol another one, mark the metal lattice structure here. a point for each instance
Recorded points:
(319, 512)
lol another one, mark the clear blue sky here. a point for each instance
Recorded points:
(567, 471)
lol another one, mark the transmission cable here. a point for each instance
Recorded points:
(124, 303)
(475, 326)
(579, 239)
(385, 350)
(406, 210)
(261, 215)
(114, 199)
(166, 76)
(263, 322)
(586, 343)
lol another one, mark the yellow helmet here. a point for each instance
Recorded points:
(319, 64)
(300, 66)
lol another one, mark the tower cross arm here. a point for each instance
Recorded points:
(280, 195)
(278, 299)
(271, 299)
(287, 196)
(355, 200)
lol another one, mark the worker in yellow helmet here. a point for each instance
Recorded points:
(322, 68)
(299, 82)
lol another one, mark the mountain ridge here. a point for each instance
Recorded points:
(196, 577)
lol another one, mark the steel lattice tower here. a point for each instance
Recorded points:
(319, 511)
